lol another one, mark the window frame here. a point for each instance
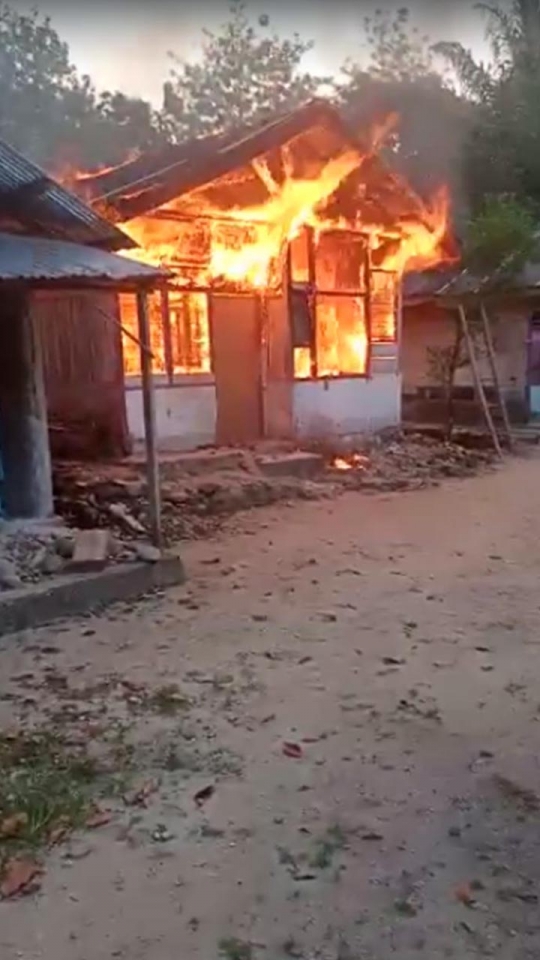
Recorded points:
(313, 292)
(377, 341)
(169, 378)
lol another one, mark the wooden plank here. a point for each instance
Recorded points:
(150, 438)
(479, 387)
(495, 373)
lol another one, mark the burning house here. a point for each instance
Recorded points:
(287, 247)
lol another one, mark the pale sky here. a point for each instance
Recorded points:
(124, 44)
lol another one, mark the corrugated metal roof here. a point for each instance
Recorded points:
(32, 202)
(455, 283)
(34, 259)
(426, 284)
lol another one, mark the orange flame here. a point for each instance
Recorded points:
(356, 461)
(208, 246)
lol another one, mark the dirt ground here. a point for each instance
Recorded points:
(353, 770)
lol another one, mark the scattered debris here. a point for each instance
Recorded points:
(517, 793)
(98, 818)
(293, 750)
(204, 794)
(464, 894)
(140, 795)
(406, 906)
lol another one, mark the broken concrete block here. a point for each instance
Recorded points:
(64, 546)
(91, 550)
(120, 512)
(52, 563)
(9, 578)
(148, 553)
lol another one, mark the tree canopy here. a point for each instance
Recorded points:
(53, 114)
(246, 74)
(502, 154)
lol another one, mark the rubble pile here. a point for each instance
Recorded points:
(409, 462)
(192, 507)
(28, 555)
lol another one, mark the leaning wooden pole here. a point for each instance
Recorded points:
(479, 389)
(152, 463)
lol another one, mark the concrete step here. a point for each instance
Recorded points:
(295, 464)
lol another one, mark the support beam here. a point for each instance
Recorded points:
(24, 440)
(152, 464)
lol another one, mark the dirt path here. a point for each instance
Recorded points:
(393, 642)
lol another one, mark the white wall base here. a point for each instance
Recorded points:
(185, 415)
(346, 406)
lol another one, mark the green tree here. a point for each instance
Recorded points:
(54, 115)
(246, 74)
(500, 239)
(503, 152)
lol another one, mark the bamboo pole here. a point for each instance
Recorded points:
(152, 464)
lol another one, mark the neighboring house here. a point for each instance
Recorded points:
(430, 303)
(258, 337)
(50, 257)
(81, 345)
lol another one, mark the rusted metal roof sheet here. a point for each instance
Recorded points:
(31, 202)
(425, 285)
(453, 284)
(34, 259)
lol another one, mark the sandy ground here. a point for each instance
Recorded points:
(393, 640)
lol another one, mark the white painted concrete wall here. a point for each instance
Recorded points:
(346, 407)
(185, 415)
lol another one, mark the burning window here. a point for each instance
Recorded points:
(328, 311)
(383, 302)
(130, 347)
(179, 337)
(340, 263)
(341, 336)
(190, 337)
(299, 257)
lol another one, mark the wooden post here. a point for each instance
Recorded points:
(166, 327)
(152, 464)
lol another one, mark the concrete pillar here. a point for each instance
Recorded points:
(24, 440)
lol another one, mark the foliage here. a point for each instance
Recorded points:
(52, 114)
(443, 363)
(246, 75)
(501, 238)
(398, 51)
(503, 152)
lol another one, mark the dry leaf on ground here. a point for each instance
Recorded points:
(21, 876)
(12, 826)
